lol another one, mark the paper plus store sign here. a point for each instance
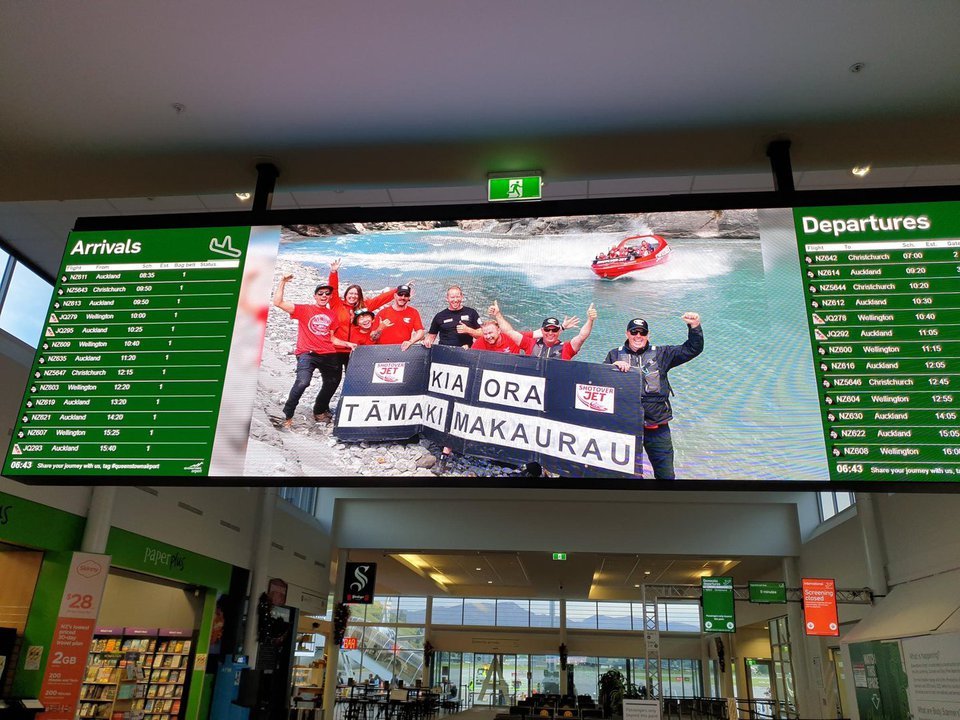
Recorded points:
(333, 399)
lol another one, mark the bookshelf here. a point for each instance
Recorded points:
(135, 674)
(168, 676)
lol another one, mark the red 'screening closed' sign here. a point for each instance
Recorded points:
(820, 607)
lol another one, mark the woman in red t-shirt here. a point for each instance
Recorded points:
(348, 306)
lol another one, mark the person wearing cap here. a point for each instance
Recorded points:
(315, 350)
(547, 343)
(399, 321)
(443, 329)
(347, 308)
(362, 333)
(653, 362)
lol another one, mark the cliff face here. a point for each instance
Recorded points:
(694, 223)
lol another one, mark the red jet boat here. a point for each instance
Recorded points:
(633, 253)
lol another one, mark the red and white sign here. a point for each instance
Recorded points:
(67, 658)
(388, 372)
(594, 398)
(820, 607)
(349, 643)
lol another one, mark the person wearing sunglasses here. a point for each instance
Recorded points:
(400, 322)
(315, 349)
(653, 362)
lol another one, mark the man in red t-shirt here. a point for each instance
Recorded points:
(491, 338)
(316, 350)
(399, 322)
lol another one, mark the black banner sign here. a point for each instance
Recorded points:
(573, 418)
(359, 583)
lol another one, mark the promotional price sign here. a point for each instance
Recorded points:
(717, 599)
(767, 592)
(820, 607)
(79, 608)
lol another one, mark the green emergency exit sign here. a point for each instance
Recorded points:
(528, 187)
(559, 556)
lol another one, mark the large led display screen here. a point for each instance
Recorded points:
(662, 349)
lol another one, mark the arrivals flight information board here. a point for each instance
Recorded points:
(811, 345)
(129, 371)
(882, 285)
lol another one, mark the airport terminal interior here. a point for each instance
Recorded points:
(358, 579)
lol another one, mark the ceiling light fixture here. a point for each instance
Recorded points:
(243, 196)
(478, 569)
(861, 170)
(489, 582)
(646, 572)
(636, 585)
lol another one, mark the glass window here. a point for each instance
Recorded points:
(545, 613)
(304, 498)
(581, 615)
(832, 503)
(412, 610)
(844, 500)
(25, 304)
(586, 675)
(479, 611)
(513, 613)
(613, 616)
(638, 616)
(682, 617)
(447, 611)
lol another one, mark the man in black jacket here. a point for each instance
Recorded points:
(653, 362)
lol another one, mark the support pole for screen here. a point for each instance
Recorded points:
(267, 174)
(779, 153)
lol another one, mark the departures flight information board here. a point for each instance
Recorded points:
(882, 286)
(829, 336)
(129, 371)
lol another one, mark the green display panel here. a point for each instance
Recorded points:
(882, 289)
(767, 592)
(129, 373)
(717, 599)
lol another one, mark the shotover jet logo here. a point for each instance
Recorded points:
(595, 398)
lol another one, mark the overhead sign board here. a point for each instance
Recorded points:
(503, 189)
(717, 600)
(820, 607)
(359, 583)
(767, 592)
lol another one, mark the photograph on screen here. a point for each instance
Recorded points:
(690, 284)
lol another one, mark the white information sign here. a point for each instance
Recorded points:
(933, 683)
(641, 710)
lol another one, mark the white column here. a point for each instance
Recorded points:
(333, 648)
(873, 550)
(808, 698)
(97, 529)
(259, 568)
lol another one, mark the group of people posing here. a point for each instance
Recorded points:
(334, 325)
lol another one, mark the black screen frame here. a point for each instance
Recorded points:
(541, 208)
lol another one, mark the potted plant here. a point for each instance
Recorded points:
(611, 692)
